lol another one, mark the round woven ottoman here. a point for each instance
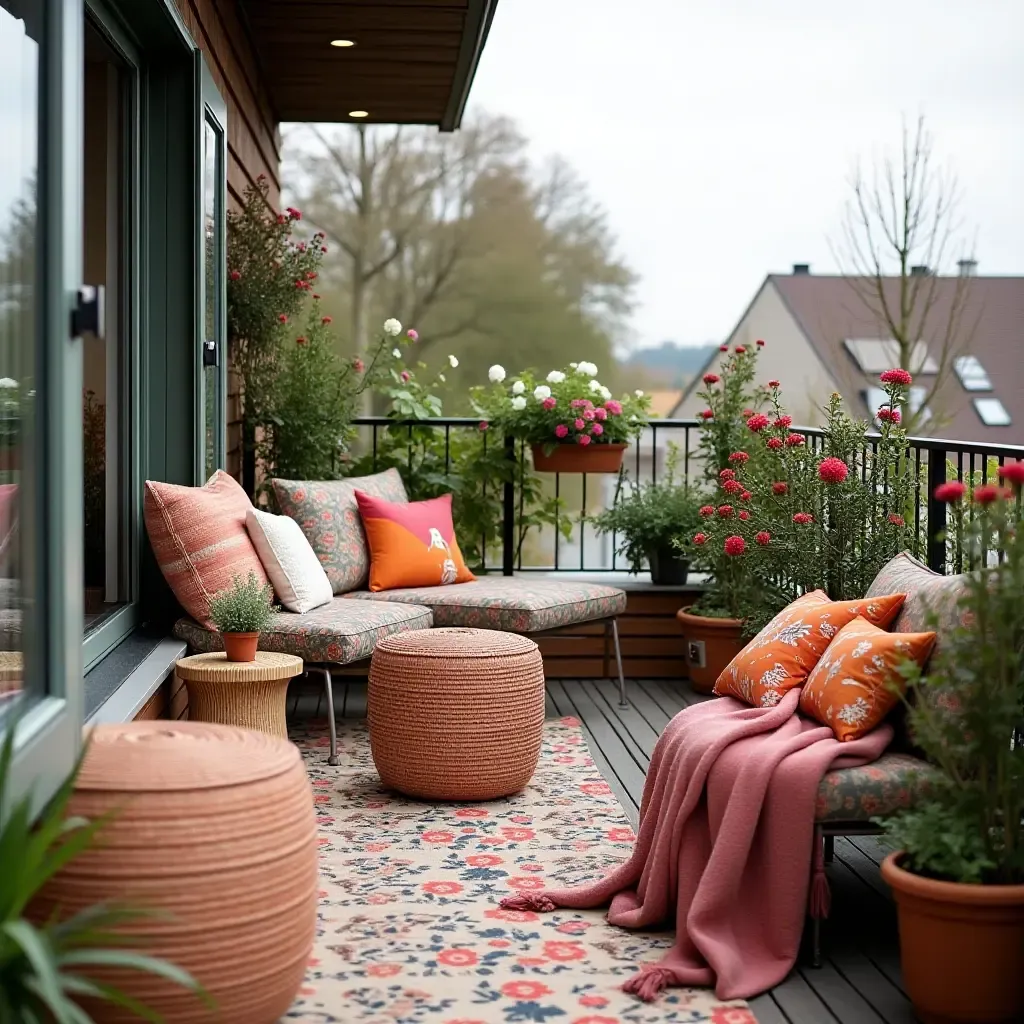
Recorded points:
(213, 829)
(456, 714)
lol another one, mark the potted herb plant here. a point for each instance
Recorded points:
(569, 419)
(46, 966)
(958, 873)
(646, 520)
(240, 613)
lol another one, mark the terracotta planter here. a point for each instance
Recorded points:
(213, 828)
(575, 458)
(961, 947)
(722, 640)
(241, 646)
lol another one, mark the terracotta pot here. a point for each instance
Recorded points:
(722, 640)
(213, 828)
(241, 646)
(961, 947)
(575, 458)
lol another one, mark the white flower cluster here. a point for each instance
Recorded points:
(541, 391)
(556, 377)
(496, 374)
(518, 388)
(453, 362)
(599, 389)
(588, 368)
(518, 403)
(392, 327)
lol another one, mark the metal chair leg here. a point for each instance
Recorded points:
(830, 849)
(815, 941)
(623, 703)
(333, 758)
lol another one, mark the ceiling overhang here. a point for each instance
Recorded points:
(412, 61)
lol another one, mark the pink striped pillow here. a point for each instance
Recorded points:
(200, 540)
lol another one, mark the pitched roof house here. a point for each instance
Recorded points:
(822, 336)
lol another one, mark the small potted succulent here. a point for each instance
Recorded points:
(958, 873)
(645, 520)
(240, 613)
(569, 419)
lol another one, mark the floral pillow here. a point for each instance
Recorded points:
(783, 654)
(857, 682)
(329, 516)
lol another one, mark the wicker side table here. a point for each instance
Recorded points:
(250, 694)
(456, 714)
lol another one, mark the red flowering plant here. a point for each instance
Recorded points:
(569, 406)
(835, 505)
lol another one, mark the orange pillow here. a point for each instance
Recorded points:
(411, 544)
(782, 655)
(851, 688)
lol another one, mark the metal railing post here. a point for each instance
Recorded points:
(508, 514)
(936, 512)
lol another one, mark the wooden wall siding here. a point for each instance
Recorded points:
(652, 643)
(170, 701)
(254, 141)
(401, 70)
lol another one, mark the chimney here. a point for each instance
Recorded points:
(968, 268)
(801, 269)
(919, 271)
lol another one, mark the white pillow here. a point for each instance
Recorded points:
(298, 577)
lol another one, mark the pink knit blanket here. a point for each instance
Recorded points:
(724, 846)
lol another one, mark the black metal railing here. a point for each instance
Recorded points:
(935, 460)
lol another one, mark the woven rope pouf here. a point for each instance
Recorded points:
(456, 714)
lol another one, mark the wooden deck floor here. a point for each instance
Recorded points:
(859, 981)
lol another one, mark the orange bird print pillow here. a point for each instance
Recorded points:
(783, 654)
(857, 682)
(411, 544)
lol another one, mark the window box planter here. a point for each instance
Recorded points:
(577, 458)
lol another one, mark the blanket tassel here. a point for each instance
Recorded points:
(820, 901)
(648, 982)
(528, 901)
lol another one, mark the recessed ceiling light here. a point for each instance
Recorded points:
(343, 42)
(358, 113)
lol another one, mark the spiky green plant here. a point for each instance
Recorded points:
(45, 968)
(245, 607)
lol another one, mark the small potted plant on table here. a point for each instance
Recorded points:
(646, 520)
(570, 419)
(240, 613)
(958, 873)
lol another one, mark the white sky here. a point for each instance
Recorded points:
(720, 134)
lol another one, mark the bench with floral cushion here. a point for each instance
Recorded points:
(849, 798)
(347, 628)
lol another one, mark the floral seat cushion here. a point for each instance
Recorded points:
(859, 794)
(339, 632)
(510, 603)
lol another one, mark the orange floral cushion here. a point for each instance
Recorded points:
(411, 544)
(782, 655)
(851, 688)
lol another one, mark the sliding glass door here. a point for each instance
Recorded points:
(40, 386)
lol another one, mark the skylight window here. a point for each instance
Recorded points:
(876, 356)
(972, 374)
(992, 412)
(876, 398)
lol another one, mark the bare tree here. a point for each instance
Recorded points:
(901, 228)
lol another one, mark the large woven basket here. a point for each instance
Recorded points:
(456, 714)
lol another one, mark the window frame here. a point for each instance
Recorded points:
(48, 733)
(213, 111)
(99, 642)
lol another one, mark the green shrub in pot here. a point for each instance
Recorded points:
(646, 519)
(241, 613)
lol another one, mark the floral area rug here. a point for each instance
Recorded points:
(409, 927)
